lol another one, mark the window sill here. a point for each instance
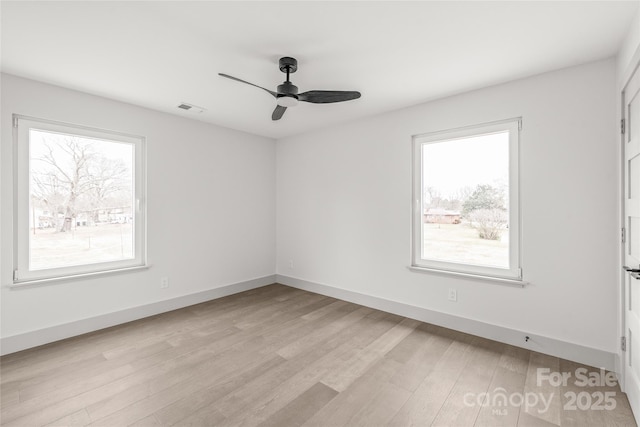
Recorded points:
(28, 283)
(498, 280)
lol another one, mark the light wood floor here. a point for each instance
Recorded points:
(278, 356)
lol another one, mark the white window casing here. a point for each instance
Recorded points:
(510, 272)
(24, 223)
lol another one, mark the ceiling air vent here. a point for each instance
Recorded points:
(191, 108)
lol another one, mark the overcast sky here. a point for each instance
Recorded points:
(467, 162)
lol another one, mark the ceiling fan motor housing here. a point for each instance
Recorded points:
(287, 94)
(287, 89)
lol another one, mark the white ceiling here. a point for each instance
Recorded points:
(158, 54)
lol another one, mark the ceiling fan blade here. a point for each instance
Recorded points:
(242, 81)
(278, 112)
(327, 96)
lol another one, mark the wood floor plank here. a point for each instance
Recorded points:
(622, 414)
(428, 351)
(9, 399)
(503, 404)
(41, 410)
(84, 377)
(265, 395)
(69, 352)
(137, 350)
(182, 410)
(425, 403)
(191, 343)
(66, 391)
(25, 376)
(583, 397)
(48, 381)
(282, 356)
(258, 316)
(342, 377)
(473, 380)
(147, 402)
(155, 395)
(73, 350)
(260, 399)
(149, 421)
(298, 329)
(69, 387)
(151, 403)
(536, 384)
(198, 374)
(527, 420)
(321, 311)
(411, 344)
(571, 415)
(301, 408)
(381, 407)
(318, 335)
(208, 416)
(78, 418)
(342, 409)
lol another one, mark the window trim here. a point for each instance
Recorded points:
(514, 272)
(21, 175)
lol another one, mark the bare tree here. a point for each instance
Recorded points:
(71, 173)
(47, 194)
(462, 194)
(108, 179)
(433, 196)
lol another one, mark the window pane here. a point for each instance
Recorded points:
(465, 200)
(81, 200)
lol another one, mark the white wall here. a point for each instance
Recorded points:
(344, 207)
(629, 45)
(211, 209)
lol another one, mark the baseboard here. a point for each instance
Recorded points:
(570, 351)
(542, 344)
(31, 339)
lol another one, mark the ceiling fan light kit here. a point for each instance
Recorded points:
(287, 93)
(287, 101)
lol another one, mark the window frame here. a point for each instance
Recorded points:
(21, 202)
(514, 271)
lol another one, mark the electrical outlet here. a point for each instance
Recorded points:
(164, 282)
(290, 264)
(453, 295)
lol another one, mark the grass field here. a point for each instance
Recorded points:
(111, 242)
(81, 245)
(460, 243)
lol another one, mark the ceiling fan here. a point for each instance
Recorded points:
(287, 93)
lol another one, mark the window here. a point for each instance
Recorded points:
(465, 191)
(78, 200)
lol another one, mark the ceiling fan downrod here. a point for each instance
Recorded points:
(288, 65)
(287, 91)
